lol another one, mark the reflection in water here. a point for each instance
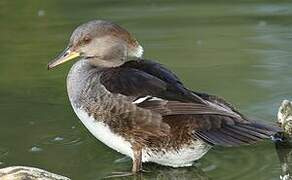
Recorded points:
(154, 172)
(284, 150)
(165, 173)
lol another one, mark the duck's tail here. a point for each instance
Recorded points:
(238, 134)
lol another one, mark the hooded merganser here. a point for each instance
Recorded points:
(140, 108)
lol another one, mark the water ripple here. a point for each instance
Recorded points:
(65, 139)
(3, 153)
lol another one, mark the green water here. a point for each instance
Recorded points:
(240, 50)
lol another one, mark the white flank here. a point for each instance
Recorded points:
(102, 132)
(180, 158)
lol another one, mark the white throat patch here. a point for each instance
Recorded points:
(137, 52)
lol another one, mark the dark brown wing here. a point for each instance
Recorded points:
(215, 126)
(146, 78)
(131, 82)
(155, 88)
(246, 133)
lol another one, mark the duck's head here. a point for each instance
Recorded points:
(102, 43)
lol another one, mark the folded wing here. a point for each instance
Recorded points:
(156, 89)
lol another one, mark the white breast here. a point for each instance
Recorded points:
(103, 133)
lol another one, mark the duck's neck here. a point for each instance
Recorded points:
(77, 78)
(107, 63)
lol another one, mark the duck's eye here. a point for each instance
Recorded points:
(86, 39)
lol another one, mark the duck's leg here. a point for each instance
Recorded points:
(136, 168)
(137, 160)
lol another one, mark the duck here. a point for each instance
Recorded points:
(140, 108)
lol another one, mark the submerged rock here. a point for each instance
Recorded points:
(28, 173)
